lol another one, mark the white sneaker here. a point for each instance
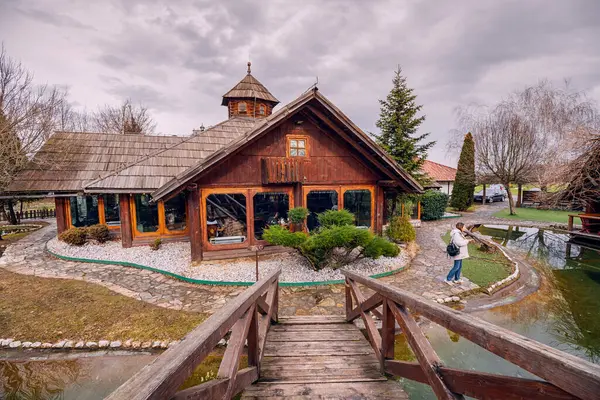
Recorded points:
(449, 283)
(460, 281)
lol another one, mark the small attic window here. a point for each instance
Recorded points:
(297, 146)
(242, 107)
(262, 109)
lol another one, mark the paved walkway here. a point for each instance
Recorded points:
(424, 277)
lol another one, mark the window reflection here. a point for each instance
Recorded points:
(112, 216)
(226, 218)
(146, 213)
(175, 213)
(269, 209)
(84, 210)
(358, 202)
(318, 201)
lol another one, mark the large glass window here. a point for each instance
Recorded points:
(112, 216)
(270, 208)
(318, 201)
(84, 210)
(146, 213)
(226, 218)
(175, 213)
(358, 202)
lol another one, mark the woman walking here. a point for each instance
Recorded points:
(457, 237)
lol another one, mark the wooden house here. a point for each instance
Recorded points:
(220, 187)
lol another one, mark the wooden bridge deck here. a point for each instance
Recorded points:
(320, 357)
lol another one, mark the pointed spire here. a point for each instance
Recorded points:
(249, 64)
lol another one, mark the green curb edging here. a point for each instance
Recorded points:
(205, 282)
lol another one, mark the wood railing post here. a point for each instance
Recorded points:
(253, 346)
(388, 330)
(348, 300)
(275, 313)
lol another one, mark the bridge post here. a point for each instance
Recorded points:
(348, 300)
(388, 330)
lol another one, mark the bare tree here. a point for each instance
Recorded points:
(127, 118)
(525, 137)
(27, 119)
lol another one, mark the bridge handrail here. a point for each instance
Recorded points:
(567, 376)
(248, 316)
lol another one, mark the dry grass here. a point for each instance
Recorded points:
(45, 309)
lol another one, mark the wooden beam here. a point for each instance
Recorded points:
(372, 331)
(60, 204)
(374, 301)
(388, 332)
(195, 223)
(262, 305)
(216, 388)
(481, 385)
(126, 221)
(428, 358)
(161, 378)
(571, 373)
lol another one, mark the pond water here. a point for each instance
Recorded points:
(564, 313)
(68, 375)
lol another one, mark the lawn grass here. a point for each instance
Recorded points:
(483, 268)
(533, 214)
(44, 309)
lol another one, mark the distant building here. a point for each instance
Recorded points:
(442, 175)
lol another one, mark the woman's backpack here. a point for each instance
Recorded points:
(452, 249)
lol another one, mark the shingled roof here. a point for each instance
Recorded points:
(103, 162)
(249, 88)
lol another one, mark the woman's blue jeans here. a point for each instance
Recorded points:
(454, 273)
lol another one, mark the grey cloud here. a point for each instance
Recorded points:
(53, 18)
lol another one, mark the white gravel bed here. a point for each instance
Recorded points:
(175, 258)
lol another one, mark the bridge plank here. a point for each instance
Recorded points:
(339, 390)
(216, 388)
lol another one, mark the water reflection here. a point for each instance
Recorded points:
(563, 314)
(65, 377)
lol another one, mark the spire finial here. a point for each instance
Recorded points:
(249, 64)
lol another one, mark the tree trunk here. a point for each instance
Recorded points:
(511, 201)
(3, 211)
(12, 217)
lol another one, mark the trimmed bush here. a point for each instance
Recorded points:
(155, 245)
(297, 215)
(98, 232)
(331, 218)
(433, 205)
(278, 235)
(380, 247)
(401, 230)
(74, 236)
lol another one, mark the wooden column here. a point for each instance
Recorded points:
(379, 209)
(193, 211)
(125, 216)
(298, 200)
(519, 194)
(483, 199)
(60, 203)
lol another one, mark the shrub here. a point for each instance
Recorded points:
(464, 183)
(401, 230)
(98, 232)
(380, 247)
(74, 236)
(280, 236)
(433, 205)
(331, 218)
(155, 245)
(297, 215)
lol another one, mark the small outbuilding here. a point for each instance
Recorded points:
(442, 176)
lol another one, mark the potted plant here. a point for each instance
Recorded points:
(297, 216)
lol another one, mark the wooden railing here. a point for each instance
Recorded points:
(32, 214)
(248, 316)
(567, 376)
(275, 170)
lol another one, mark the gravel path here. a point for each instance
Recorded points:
(175, 258)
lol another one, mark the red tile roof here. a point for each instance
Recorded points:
(439, 172)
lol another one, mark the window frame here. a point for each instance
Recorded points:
(101, 212)
(262, 110)
(341, 189)
(239, 109)
(297, 137)
(162, 230)
(249, 192)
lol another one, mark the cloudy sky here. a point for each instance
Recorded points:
(179, 56)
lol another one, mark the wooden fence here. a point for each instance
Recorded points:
(248, 316)
(567, 376)
(32, 214)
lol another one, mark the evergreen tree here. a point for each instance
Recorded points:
(398, 122)
(464, 183)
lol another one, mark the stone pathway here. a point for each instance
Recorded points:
(424, 276)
